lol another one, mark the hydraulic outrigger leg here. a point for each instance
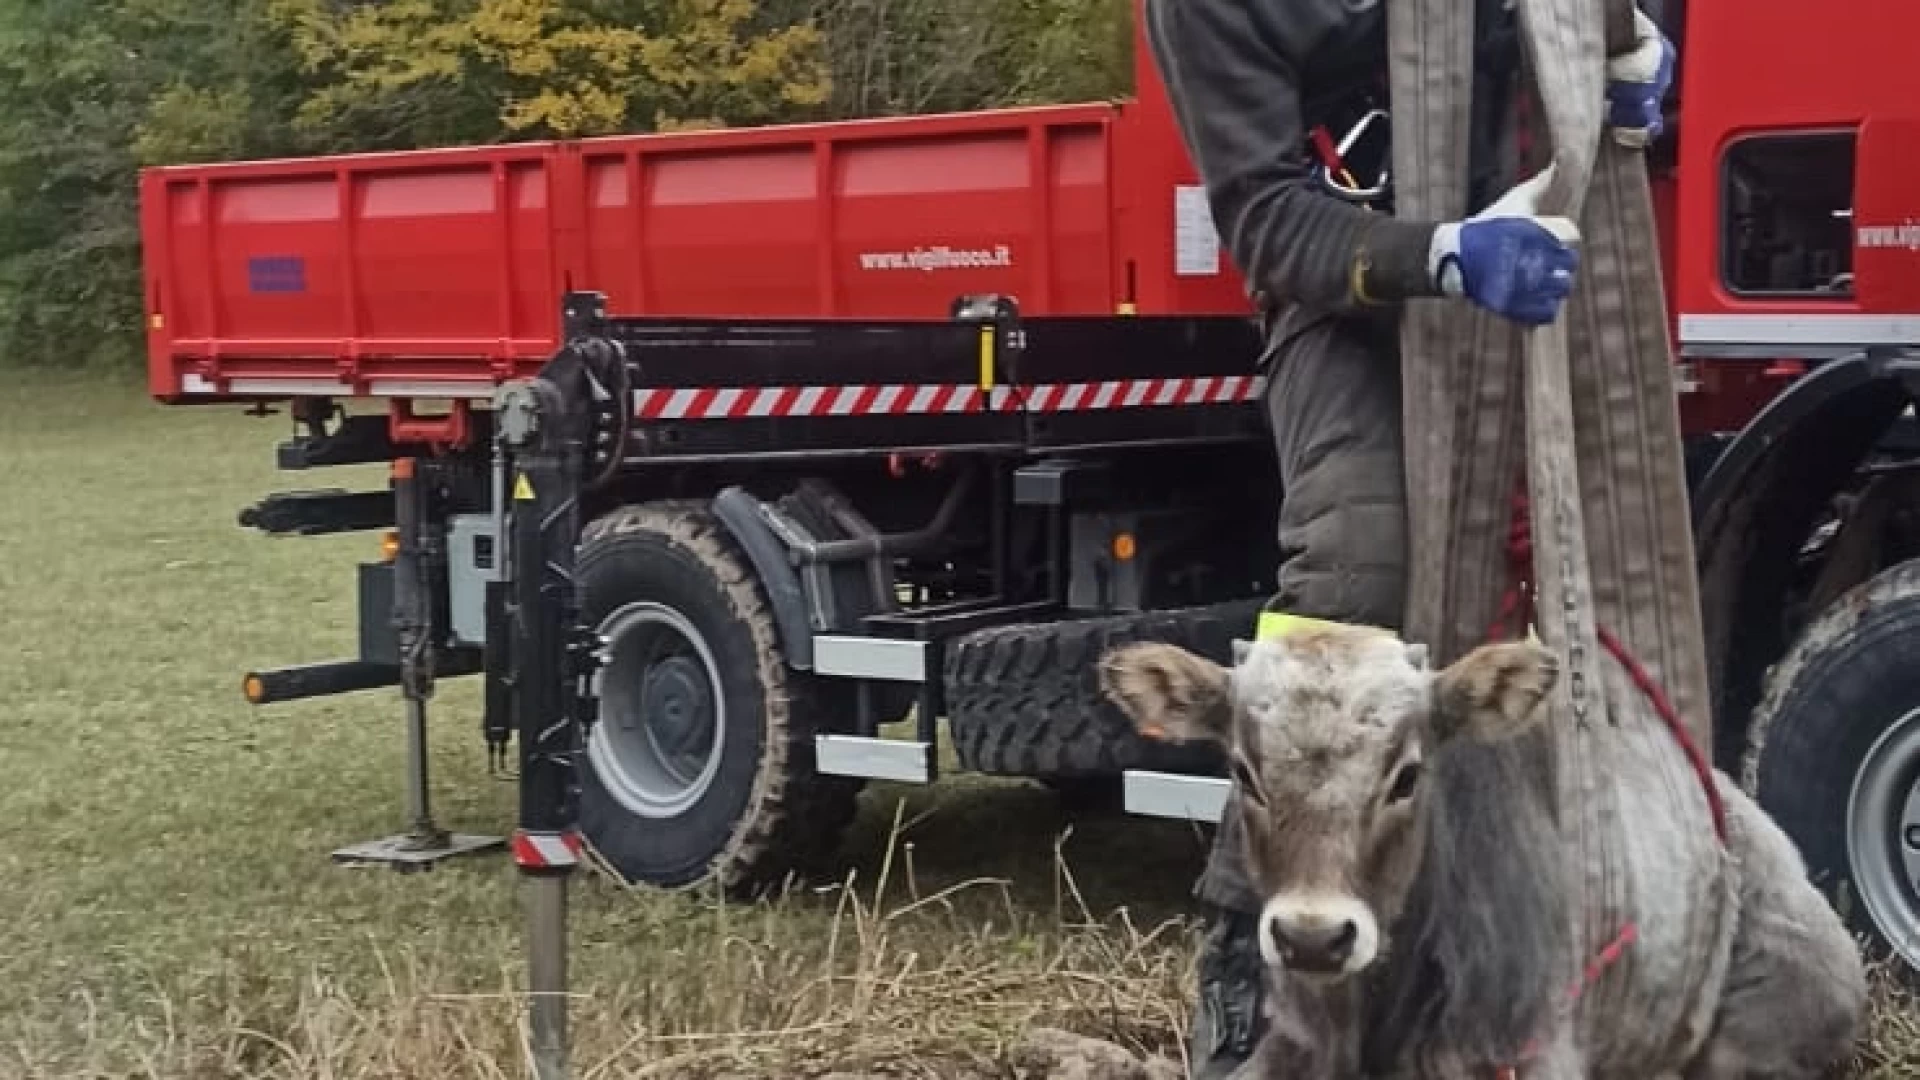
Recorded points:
(420, 557)
(545, 425)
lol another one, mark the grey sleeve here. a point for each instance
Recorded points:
(1235, 94)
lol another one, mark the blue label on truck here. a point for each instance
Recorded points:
(277, 274)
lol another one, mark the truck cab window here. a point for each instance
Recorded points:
(1787, 225)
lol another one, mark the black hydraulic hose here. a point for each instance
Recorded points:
(904, 543)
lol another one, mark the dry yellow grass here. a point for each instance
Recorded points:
(173, 912)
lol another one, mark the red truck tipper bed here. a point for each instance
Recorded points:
(434, 273)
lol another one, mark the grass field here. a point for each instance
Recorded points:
(174, 914)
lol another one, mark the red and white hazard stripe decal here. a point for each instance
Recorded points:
(546, 850)
(746, 402)
(1141, 393)
(742, 403)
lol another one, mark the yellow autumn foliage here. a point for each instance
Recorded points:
(453, 69)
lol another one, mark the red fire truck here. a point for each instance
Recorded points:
(880, 431)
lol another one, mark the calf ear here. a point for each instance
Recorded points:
(1168, 692)
(1495, 691)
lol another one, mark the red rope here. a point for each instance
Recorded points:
(1701, 768)
(1513, 604)
(1519, 595)
(1596, 967)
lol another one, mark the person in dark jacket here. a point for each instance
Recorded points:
(1249, 80)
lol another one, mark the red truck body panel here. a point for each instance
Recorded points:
(439, 272)
(1763, 77)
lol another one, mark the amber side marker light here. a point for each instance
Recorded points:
(254, 689)
(389, 546)
(1124, 547)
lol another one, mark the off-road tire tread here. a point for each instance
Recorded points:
(1024, 700)
(1799, 744)
(795, 817)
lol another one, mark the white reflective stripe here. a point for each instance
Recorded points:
(807, 402)
(431, 388)
(286, 386)
(883, 402)
(1136, 393)
(724, 401)
(678, 404)
(404, 388)
(1108, 391)
(1799, 329)
(844, 400)
(923, 399)
(764, 399)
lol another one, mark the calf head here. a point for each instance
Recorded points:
(1328, 735)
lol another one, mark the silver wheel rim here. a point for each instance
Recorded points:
(1883, 835)
(660, 735)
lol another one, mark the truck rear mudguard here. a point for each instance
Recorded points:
(1760, 503)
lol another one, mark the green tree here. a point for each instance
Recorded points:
(93, 91)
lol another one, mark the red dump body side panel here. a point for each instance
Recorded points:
(873, 222)
(414, 267)
(439, 273)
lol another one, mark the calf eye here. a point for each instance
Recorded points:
(1404, 783)
(1243, 777)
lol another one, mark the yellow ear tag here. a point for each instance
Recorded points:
(1274, 625)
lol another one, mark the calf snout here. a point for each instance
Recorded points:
(1327, 937)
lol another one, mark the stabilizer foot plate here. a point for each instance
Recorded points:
(409, 852)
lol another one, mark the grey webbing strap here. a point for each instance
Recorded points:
(1607, 367)
(1460, 367)
(1612, 537)
(1593, 394)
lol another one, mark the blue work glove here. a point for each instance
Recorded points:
(1507, 258)
(1637, 82)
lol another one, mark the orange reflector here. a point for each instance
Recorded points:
(403, 468)
(254, 689)
(390, 546)
(1124, 547)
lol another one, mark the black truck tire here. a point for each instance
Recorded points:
(709, 664)
(1025, 700)
(1834, 756)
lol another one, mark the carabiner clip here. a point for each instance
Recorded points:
(1336, 177)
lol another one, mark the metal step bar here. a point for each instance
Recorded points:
(1173, 795)
(887, 659)
(900, 760)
